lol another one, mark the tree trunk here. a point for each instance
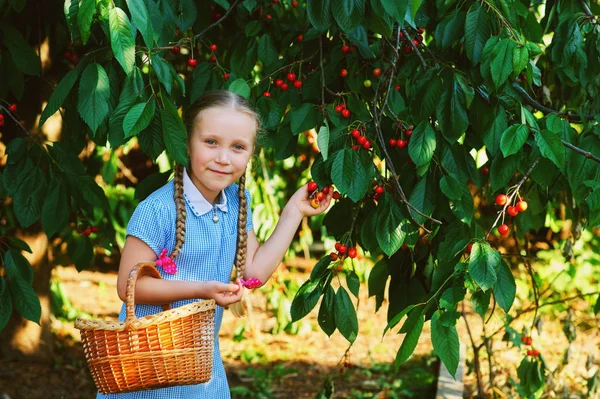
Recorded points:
(23, 338)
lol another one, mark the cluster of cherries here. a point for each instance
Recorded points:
(12, 108)
(341, 109)
(407, 49)
(342, 251)
(292, 78)
(401, 143)
(360, 140)
(348, 49)
(317, 196)
(87, 230)
(378, 191)
(527, 341)
(513, 210)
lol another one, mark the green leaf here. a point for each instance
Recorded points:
(139, 117)
(520, 59)
(94, 95)
(59, 94)
(85, 189)
(25, 299)
(413, 326)
(121, 39)
(502, 61)
(493, 135)
(185, 14)
(141, 19)
(345, 315)
(23, 55)
(200, 79)
(85, 16)
(17, 266)
(29, 198)
(323, 140)
(451, 112)
(421, 198)
(19, 244)
(477, 32)
(174, 133)
(551, 147)
(270, 112)
(6, 305)
(513, 139)
(377, 282)
(445, 342)
(306, 298)
(502, 170)
(390, 233)
(303, 118)
(396, 9)
(348, 13)
(596, 307)
(81, 252)
(451, 187)
(484, 262)
(554, 123)
(422, 144)
(239, 86)
(326, 317)
(353, 283)
(267, 53)
(55, 209)
(427, 95)
(480, 300)
(505, 287)
(163, 73)
(349, 175)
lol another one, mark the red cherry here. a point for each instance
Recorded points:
(192, 62)
(513, 211)
(522, 205)
(87, 232)
(336, 195)
(13, 107)
(535, 352)
(416, 42)
(338, 108)
(379, 189)
(523, 339)
(312, 186)
(268, 17)
(367, 145)
(325, 190)
(284, 87)
(213, 47)
(337, 246)
(485, 170)
(298, 84)
(356, 133)
(346, 113)
(352, 253)
(503, 229)
(376, 72)
(343, 73)
(361, 140)
(278, 82)
(407, 49)
(320, 196)
(67, 54)
(408, 132)
(355, 147)
(226, 76)
(294, 4)
(334, 256)
(345, 49)
(421, 30)
(469, 248)
(393, 142)
(291, 76)
(529, 352)
(176, 49)
(299, 38)
(501, 199)
(267, 94)
(212, 59)
(342, 249)
(402, 143)
(94, 229)
(397, 87)
(343, 105)
(529, 341)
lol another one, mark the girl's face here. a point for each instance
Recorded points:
(220, 144)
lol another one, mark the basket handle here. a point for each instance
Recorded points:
(141, 269)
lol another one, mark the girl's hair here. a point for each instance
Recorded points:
(214, 99)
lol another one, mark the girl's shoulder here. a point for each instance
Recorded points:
(232, 194)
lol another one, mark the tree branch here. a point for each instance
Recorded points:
(416, 49)
(578, 150)
(6, 111)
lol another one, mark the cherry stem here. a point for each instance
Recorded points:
(15, 119)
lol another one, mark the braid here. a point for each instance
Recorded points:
(180, 203)
(240, 258)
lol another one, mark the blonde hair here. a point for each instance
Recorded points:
(213, 99)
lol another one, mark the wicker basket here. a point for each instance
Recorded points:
(173, 347)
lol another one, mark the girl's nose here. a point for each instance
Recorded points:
(223, 157)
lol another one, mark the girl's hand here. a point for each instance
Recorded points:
(303, 203)
(224, 294)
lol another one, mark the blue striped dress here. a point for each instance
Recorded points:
(207, 254)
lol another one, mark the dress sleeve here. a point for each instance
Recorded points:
(249, 223)
(148, 224)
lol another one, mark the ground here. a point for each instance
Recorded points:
(266, 365)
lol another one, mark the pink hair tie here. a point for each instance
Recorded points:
(251, 283)
(166, 263)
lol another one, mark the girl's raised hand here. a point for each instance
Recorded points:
(308, 206)
(224, 294)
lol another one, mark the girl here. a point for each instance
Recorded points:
(194, 218)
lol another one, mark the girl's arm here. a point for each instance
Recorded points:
(262, 260)
(149, 290)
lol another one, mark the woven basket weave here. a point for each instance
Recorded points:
(173, 347)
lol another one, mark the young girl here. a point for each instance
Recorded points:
(194, 218)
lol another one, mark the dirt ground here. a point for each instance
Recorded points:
(268, 365)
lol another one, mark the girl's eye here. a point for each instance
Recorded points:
(240, 147)
(210, 141)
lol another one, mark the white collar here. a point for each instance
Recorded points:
(196, 200)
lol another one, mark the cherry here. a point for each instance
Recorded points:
(402, 143)
(501, 199)
(361, 140)
(298, 84)
(421, 30)
(312, 186)
(342, 249)
(334, 256)
(343, 106)
(338, 108)
(416, 42)
(326, 189)
(346, 113)
(226, 76)
(355, 147)
(299, 38)
(503, 229)
(397, 87)
(407, 49)
(408, 132)
(192, 62)
(343, 73)
(529, 341)
(352, 253)
(379, 189)
(176, 49)
(278, 82)
(13, 107)
(67, 54)
(367, 145)
(530, 353)
(367, 83)
(87, 232)
(267, 94)
(469, 248)
(291, 76)
(213, 47)
(535, 352)
(337, 246)
(345, 49)
(321, 196)
(393, 142)
(336, 195)
(268, 17)
(485, 170)
(94, 229)
(314, 203)
(284, 87)
(377, 72)
(212, 59)
(294, 4)
(513, 211)
(356, 133)
(522, 205)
